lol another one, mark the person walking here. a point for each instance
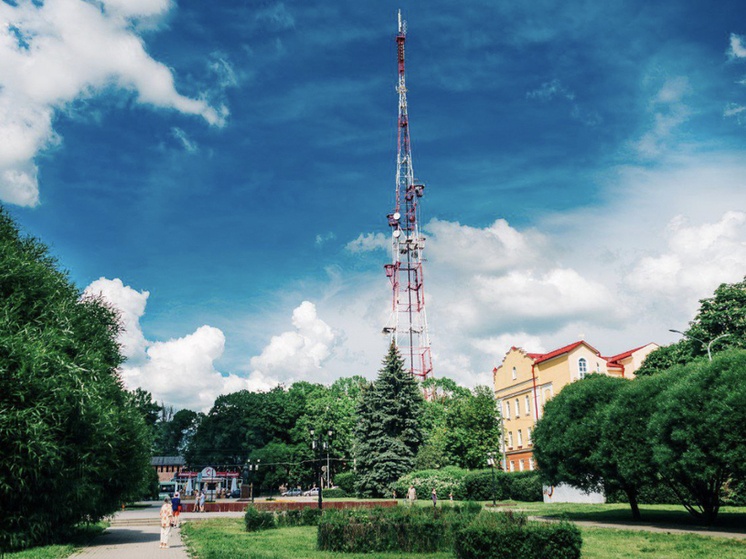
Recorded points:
(167, 515)
(411, 494)
(435, 497)
(176, 508)
(202, 502)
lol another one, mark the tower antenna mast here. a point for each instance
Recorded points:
(407, 326)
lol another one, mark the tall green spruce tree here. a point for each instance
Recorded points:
(389, 431)
(73, 444)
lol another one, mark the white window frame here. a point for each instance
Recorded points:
(515, 374)
(520, 465)
(520, 438)
(528, 434)
(510, 439)
(512, 465)
(517, 408)
(531, 463)
(528, 405)
(507, 409)
(582, 367)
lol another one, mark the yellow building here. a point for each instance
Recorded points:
(524, 382)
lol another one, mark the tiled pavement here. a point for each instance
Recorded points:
(133, 542)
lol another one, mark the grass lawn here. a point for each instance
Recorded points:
(61, 550)
(225, 538)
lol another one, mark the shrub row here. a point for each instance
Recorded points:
(398, 529)
(257, 520)
(334, 493)
(473, 486)
(490, 536)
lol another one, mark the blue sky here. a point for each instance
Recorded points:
(606, 136)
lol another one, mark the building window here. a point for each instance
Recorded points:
(510, 439)
(520, 438)
(517, 408)
(507, 410)
(520, 465)
(515, 374)
(530, 463)
(528, 405)
(598, 367)
(582, 367)
(528, 435)
(512, 465)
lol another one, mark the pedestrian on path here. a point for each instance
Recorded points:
(411, 494)
(435, 498)
(176, 507)
(202, 502)
(167, 515)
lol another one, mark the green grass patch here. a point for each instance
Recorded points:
(226, 538)
(78, 539)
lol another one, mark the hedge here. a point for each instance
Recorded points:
(495, 536)
(398, 529)
(473, 486)
(445, 481)
(303, 517)
(257, 520)
(733, 494)
(334, 493)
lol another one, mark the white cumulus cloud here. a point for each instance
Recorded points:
(179, 371)
(59, 51)
(298, 353)
(367, 242)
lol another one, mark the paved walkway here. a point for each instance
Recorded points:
(133, 542)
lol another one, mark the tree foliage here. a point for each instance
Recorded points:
(74, 446)
(389, 431)
(723, 313)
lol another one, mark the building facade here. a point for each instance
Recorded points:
(525, 382)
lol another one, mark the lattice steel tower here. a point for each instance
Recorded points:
(408, 323)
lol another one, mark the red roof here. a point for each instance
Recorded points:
(541, 357)
(624, 355)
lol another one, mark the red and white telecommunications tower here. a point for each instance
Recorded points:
(408, 323)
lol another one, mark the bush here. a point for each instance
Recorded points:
(734, 493)
(398, 529)
(518, 486)
(444, 481)
(647, 495)
(498, 535)
(257, 520)
(346, 482)
(334, 493)
(525, 486)
(304, 517)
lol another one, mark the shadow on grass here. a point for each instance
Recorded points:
(727, 521)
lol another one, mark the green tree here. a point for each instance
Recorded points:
(73, 445)
(172, 436)
(723, 313)
(389, 432)
(568, 439)
(473, 428)
(626, 438)
(699, 440)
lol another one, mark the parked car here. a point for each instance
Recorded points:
(314, 492)
(292, 493)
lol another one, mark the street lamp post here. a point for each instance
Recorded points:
(319, 444)
(492, 461)
(251, 468)
(708, 345)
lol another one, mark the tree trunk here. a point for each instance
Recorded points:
(632, 496)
